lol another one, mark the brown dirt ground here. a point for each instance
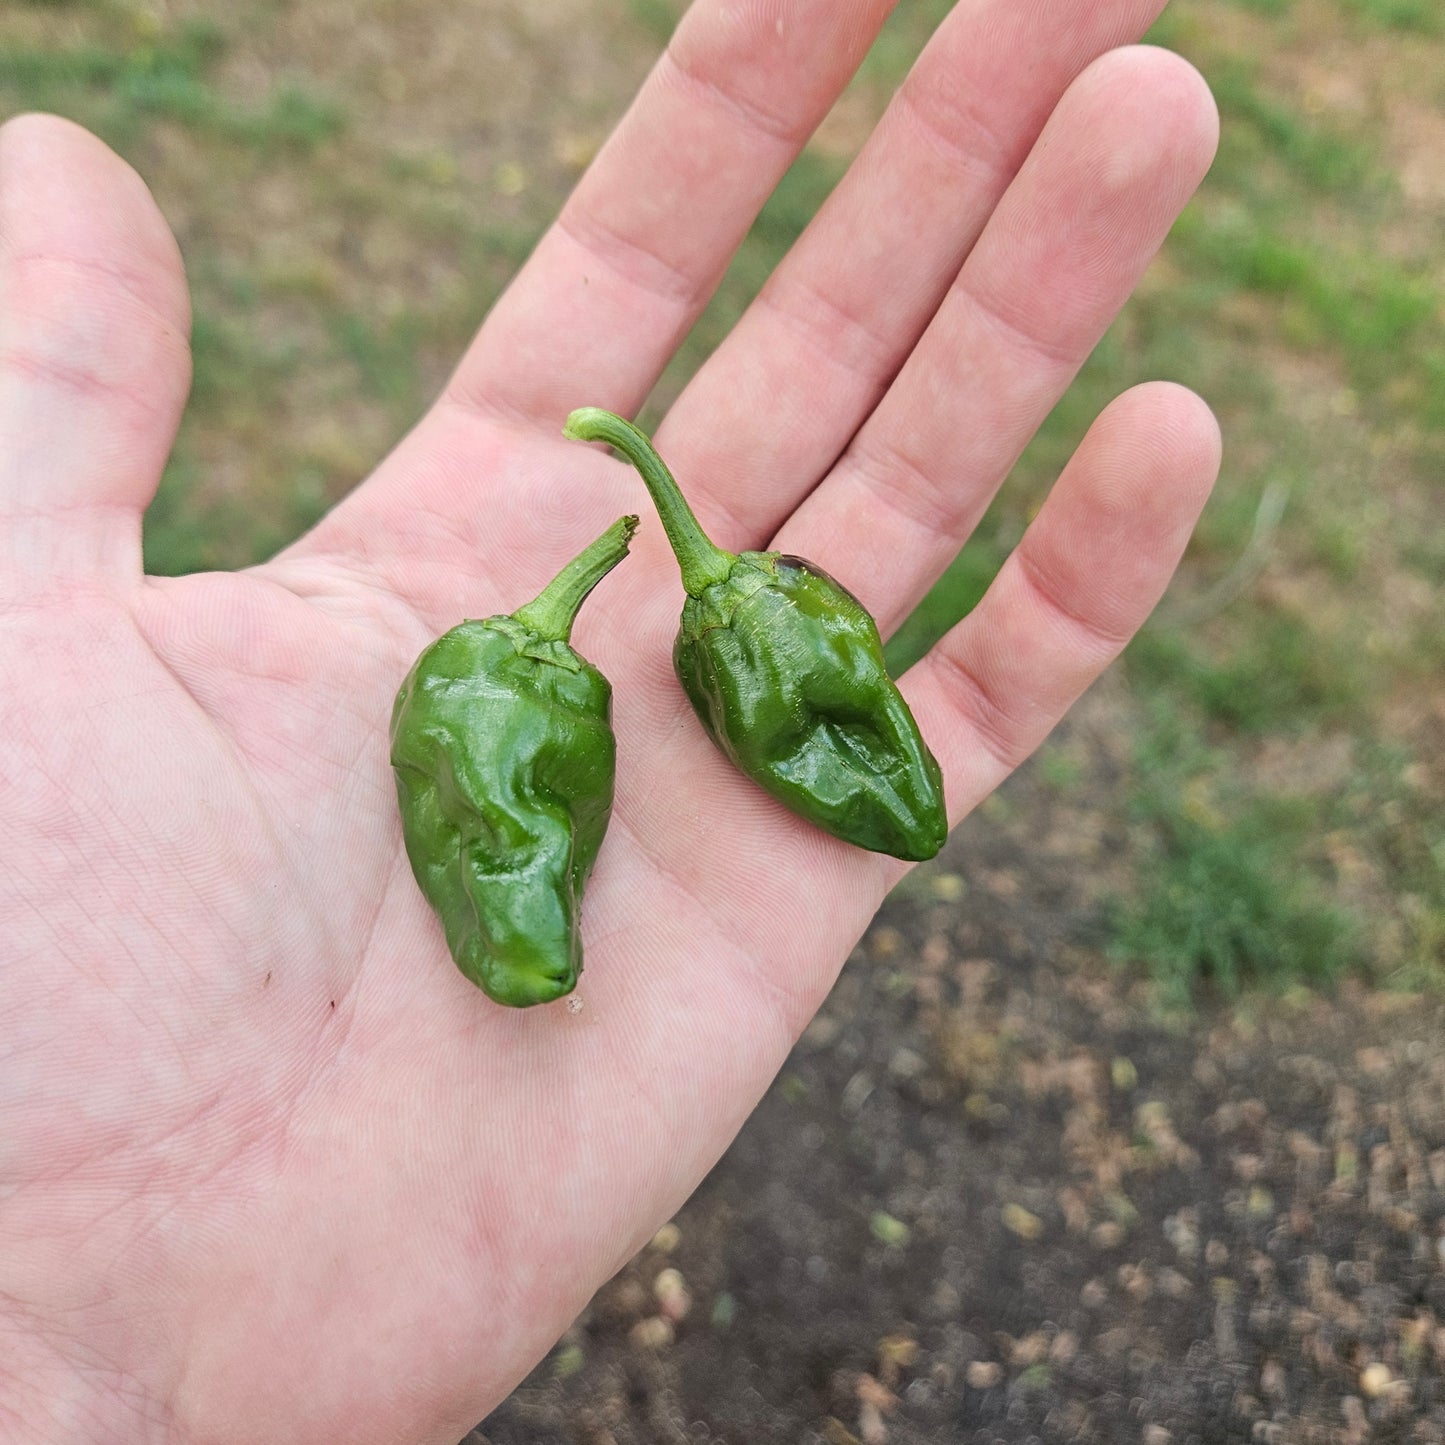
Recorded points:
(995, 1196)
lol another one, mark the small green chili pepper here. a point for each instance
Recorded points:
(502, 742)
(785, 669)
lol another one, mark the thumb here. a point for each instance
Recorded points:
(94, 356)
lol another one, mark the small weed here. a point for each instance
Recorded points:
(1276, 673)
(1034, 1379)
(1225, 909)
(1228, 895)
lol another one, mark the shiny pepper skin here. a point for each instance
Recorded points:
(784, 667)
(502, 744)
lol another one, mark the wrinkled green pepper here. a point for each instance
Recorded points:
(502, 742)
(785, 669)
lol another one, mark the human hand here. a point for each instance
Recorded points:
(271, 1168)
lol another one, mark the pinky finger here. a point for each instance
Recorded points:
(1088, 572)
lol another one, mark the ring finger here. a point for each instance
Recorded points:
(1116, 163)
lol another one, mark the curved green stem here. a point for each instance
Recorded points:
(555, 608)
(702, 563)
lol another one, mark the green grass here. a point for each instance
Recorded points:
(385, 355)
(1271, 8)
(956, 594)
(187, 532)
(1419, 16)
(119, 88)
(1273, 673)
(235, 364)
(905, 32)
(1372, 311)
(1228, 891)
(657, 17)
(1283, 255)
(1261, 132)
(1392, 816)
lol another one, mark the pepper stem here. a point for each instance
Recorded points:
(555, 608)
(702, 564)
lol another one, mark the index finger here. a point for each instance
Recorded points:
(614, 285)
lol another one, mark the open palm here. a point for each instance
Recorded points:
(270, 1168)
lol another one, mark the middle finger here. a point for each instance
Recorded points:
(767, 416)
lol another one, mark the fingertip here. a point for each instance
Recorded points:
(1123, 511)
(40, 127)
(1090, 568)
(1190, 95)
(1158, 101)
(63, 188)
(1192, 422)
(1175, 426)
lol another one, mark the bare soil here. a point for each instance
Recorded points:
(996, 1196)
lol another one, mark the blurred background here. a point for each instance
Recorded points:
(1127, 1118)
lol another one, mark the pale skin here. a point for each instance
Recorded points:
(270, 1167)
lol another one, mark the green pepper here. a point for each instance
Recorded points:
(502, 742)
(784, 667)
